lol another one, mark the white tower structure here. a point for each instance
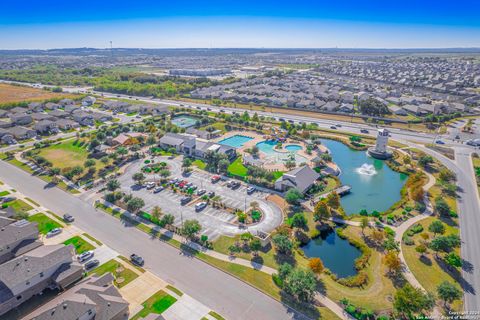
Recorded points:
(382, 141)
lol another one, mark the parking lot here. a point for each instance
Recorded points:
(214, 221)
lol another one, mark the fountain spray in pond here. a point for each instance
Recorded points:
(367, 170)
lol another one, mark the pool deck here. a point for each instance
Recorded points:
(257, 138)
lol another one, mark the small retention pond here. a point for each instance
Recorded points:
(374, 185)
(337, 254)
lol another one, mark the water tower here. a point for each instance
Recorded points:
(380, 150)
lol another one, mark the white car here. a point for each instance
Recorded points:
(54, 232)
(85, 256)
(200, 206)
(158, 189)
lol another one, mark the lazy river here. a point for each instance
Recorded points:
(374, 185)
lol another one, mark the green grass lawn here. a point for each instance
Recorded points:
(112, 267)
(199, 164)
(45, 224)
(157, 303)
(80, 244)
(19, 205)
(237, 168)
(427, 271)
(216, 315)
(4, 193)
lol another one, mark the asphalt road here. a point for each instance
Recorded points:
(212, 287)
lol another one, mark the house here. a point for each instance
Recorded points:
(46, 126)
(102, 117)
(202, 134)
(3, 113)
(397, 110)
(52, 106)
(35, 107)
(71, 108)
(21, 119)
(67, 124)
(42, 116)
(346, 107)
(93, 298)
(59, 114)
(301, 178)
(6, 137)
(83, 118)
(65, 102)
(181, 143)
(31, 273)
(154, 110)
(17, 238)
(5, 124)
(19, 110)
(88, 101)
(21, 133)
(126, 139)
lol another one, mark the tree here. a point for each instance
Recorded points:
(316, 265)
(301, 284)
(282, 243)
(453, 260)
(156, 213)
(417, 194)
(425, 161)
(392, 261)
(421, 248)
(373, 107)
(293, 196)
(113, 185)
(164, 173)
(284, 270)
(409, 300)
(378, 236)
(446, 175)
(167, 220)
(442, 206)
(448, 292)
(321, 211)
(436, 227)
(299, 220)
(187, 162)
(89, 163)
(444, 243)
(191, 228)
(254, 205)
(138, 177)
(364, 224)
(135, 204)
(255, 246)
(223, 165)
(333, 200)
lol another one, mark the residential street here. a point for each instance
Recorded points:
(212, 287)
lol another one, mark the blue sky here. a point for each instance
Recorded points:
(241, 23)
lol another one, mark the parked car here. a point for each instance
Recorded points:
(338, 125)
(364, 131)
(54, 232)
(215, 178)
(251, 190)
(201, 192)
(333, 127)
(158, 189)
(68, 217)
(235, 184)
(7, 199)
(150, 185)
(229, 183)
(91, 264)
(136, 259)
(200, 206)
(211, 194)
(185, 200)
(85, 256)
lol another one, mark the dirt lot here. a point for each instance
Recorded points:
(11, 93)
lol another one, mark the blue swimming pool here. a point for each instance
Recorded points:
(268, 148)
(236, 141)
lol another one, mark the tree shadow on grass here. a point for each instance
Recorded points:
(285, 258)
(425, 260)
(455, 274)
(300, 310)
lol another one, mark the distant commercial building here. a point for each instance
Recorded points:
(199, 72)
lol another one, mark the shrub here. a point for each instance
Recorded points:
(408, 241)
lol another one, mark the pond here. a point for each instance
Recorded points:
(337, 254)
(374, 185)
(268, 148)
(184, 121)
